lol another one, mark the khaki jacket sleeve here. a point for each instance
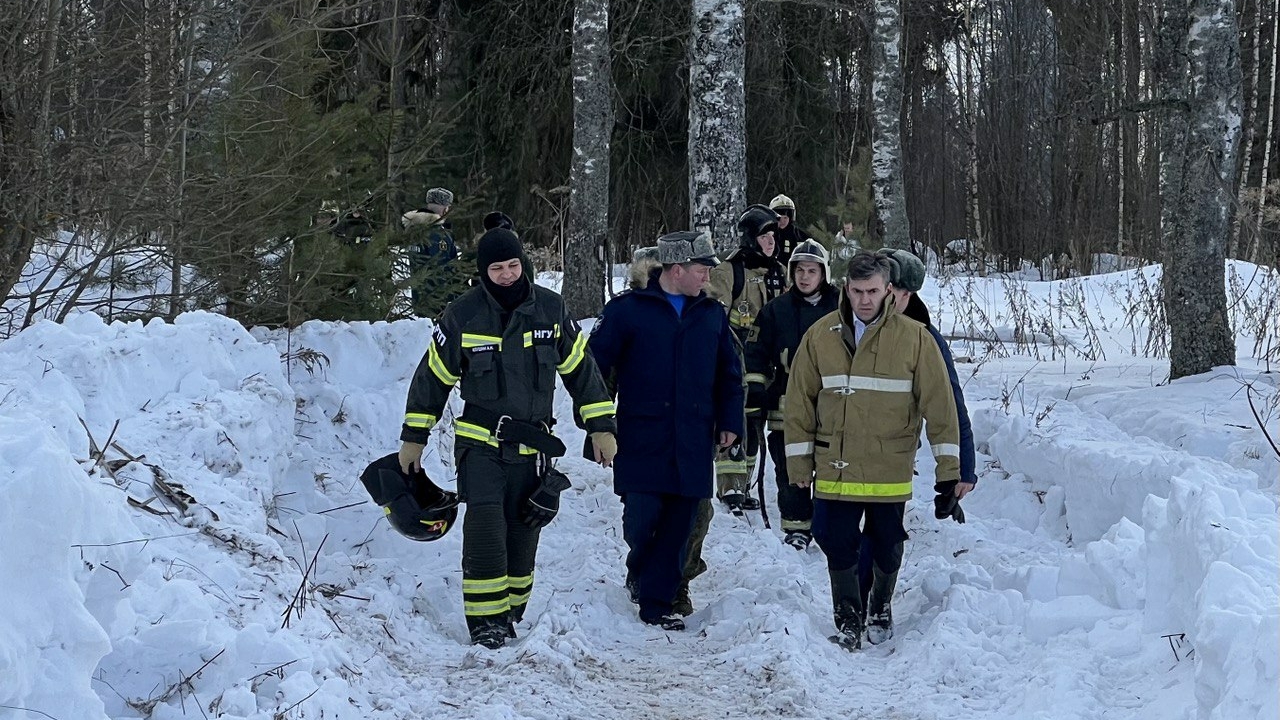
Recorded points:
(720, 287)
(937, 404)
(800, 419)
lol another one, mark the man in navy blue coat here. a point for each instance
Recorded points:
(669, 353)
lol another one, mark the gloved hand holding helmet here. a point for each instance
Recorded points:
(410, 456)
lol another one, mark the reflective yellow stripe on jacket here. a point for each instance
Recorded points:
(422, 421)
(471, 340)
(855, 489)
(576, 354)
(436, 363)
(595, 410)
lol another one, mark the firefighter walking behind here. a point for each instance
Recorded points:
(769, 349)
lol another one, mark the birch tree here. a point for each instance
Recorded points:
(1251, 129)
(584, 268)
(1198, 66)
(1268, 138)
(886, 110)
(717, 119)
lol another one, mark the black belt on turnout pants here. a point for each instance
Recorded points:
(505, 428)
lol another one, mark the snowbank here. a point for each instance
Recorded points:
(224, 555)
(1204, 564)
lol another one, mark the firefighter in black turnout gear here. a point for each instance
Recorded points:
(770, 346)
(504, 341)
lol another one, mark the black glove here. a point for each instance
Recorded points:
(945, 503)
(544, 503)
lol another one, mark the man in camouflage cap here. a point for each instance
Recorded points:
(685, 247)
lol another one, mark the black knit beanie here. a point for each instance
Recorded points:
(497, 245)
(500, 245)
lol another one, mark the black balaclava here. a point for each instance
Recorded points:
(501, 245)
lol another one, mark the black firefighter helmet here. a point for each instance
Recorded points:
(756, 220)
(416, 507)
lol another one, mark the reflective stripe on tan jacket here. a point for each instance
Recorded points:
(853, 419)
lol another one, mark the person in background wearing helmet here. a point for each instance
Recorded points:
(504, 341)
(788, 234)
(672, 357)
(863, 381)
(748, 279)
(769, 349)
(878, 583)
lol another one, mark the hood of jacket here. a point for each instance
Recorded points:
(643, 267)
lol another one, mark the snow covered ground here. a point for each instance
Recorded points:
(201, 547)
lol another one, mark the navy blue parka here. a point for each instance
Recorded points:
(678, 381)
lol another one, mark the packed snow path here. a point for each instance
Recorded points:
(1109, 514)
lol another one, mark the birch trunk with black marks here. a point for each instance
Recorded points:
(1268, 138)
(886, 142)
(717, 119)
(588, 231)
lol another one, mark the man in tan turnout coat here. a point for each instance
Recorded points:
(862, 381)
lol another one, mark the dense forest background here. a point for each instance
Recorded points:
(204, 137)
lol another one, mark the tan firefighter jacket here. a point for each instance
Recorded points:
(852, 418)
(758, 288)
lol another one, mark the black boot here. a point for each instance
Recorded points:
(491, 635)
(682, 605)
(850, 614)
(880, 610)
(670, 621)
(733, 502)
(798, 539)
(490, 631)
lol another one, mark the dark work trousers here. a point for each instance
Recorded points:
(694, 565)
(836, 529)
(656, 527)
(795, 504)
(498, 551)
(889, 559)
